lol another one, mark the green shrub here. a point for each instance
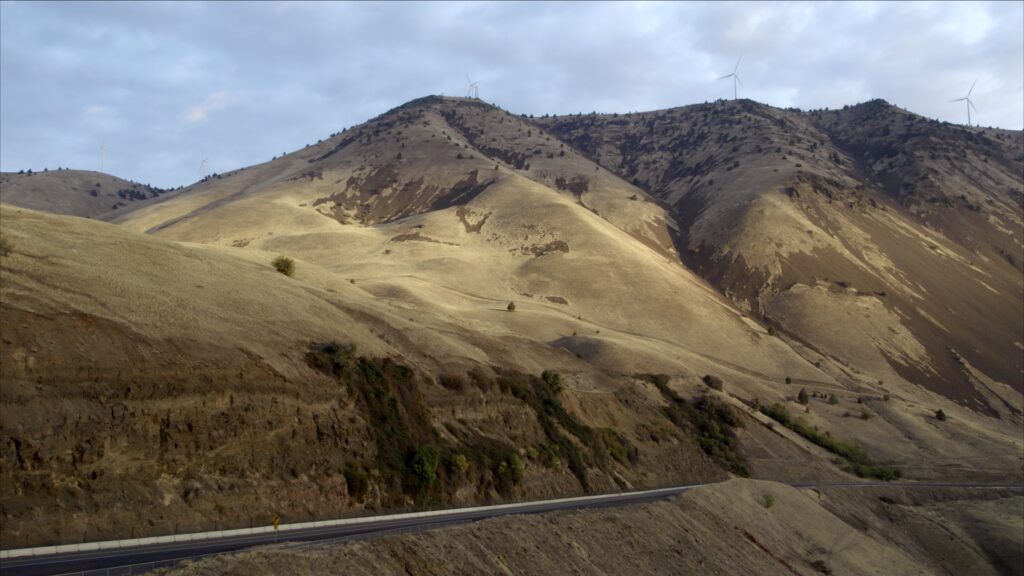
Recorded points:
(713, 382)
(509, 473)
(618, 447)
(452, 382)
(940, 415)
(789, 380)
(6, 246)
(481, 379)
(459, 464)
(767, 500)
(802, 396)
(549, 456)
(422, 466)
(553, 380)
(284, 265)
(358, 482)
(833, 400)
(330, 357)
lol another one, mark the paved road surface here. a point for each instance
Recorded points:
(101, 560)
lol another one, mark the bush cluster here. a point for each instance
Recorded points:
(858, 461)
(710, 420)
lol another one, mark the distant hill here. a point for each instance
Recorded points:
(870, 233)
(74, 192)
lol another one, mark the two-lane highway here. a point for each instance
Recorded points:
(111, 557)
(17, 564)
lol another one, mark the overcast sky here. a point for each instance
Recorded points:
(164, 86)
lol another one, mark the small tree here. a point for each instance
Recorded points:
(511, 307)
(940, 415)
(833, 400)
(802, 396)
(423, 466)
(284, 265)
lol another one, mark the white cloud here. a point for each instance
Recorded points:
(317, 67)
(201, 113)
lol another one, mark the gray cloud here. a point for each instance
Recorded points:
(165, 85)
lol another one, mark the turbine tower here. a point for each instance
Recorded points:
(969, 104)
(473, 91)
(103, 155)
(201, 166)
(735, 77)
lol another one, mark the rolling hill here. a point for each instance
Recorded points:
(905, 230)
(74, 192)
(714, 289)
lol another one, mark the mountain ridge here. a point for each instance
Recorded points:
(727, 259)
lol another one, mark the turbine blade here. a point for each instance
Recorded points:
(958, 100)
(737, 66)
(726, 76)
(738, 80)
(972, 88)
(971, 104)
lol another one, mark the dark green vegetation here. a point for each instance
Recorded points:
(802, 397)
(580, 445)
(284, 265)
(940, 415)
(713, 381)
(412, 459)
(713, 422)
(407, 446)
(857, 461)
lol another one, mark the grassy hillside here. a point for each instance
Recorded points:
(75, 192)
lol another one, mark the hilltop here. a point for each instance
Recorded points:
(710, 290)
(74, 192)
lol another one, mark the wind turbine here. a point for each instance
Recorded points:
(473, 91)
(201, 166)
(103, 155)
(970, 104)
(735, 77)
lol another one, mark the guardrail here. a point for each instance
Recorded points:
(143, 567)
(168, 539)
